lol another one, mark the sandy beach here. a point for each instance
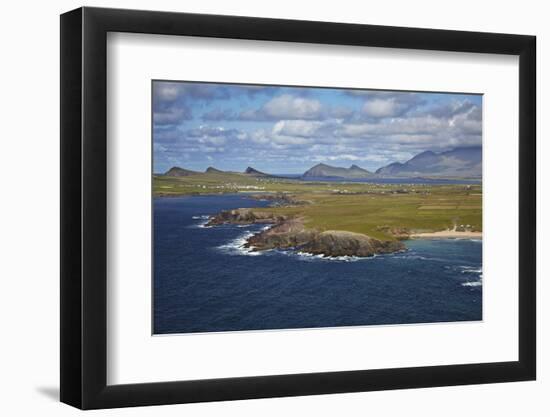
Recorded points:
(448, 234)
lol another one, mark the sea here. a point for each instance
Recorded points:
(204, 280)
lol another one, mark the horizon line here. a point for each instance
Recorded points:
(319, 163)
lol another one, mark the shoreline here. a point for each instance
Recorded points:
(213, 194)
(285, 232)
(447, 234)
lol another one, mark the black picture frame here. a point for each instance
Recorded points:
(84, 207)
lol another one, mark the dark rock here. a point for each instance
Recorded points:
(341, 243)
(244, 216)
(290, 233)
(287, 234)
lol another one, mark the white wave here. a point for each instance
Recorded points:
(472, 284)
(310, 256)
(203, 221)
(201, 217)
(472, 270)
(201, 225)
(415, 257)
(237, 246)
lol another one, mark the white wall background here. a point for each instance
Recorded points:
(29, 225)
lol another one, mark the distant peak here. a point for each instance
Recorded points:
(324, 170)
(179, 172)
(472, 147)
(212, 169)
(460, 162)
(254, 172)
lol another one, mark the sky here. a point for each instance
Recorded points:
(287, 130)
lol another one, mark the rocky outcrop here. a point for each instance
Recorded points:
(342, 243)
(286, 234)
(290, 233)
(244, 216)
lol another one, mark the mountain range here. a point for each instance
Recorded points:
(459, 162)
(182, 172)
(464, 162)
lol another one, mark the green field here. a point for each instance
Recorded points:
(372, 209)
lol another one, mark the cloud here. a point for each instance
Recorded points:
(212, 135)
(390, 104)
(172, 115)
(453, 108)
(218, 114)
(288, 127)
(288, 107)
(384, 108)
(346, 157)
(383, 104)
(172, 101)
(300, 128)
(167, 91)
(341, 112)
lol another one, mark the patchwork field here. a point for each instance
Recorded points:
(377, 210)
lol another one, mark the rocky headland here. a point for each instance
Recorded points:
(290, 232)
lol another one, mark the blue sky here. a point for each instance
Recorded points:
(289, 129)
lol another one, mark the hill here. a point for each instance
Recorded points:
(460, 162)
(212, 170)
(179, 172)
(327, 171)
(255, 173)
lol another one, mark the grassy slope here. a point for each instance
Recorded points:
(427, 208)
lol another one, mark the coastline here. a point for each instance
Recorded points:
(447, 234)
(287, 232)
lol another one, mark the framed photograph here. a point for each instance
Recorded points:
(257, 208)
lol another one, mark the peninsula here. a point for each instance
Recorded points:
(336, 217)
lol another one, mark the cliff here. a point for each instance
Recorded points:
(244, 216)
(342, 243)
(291, 233)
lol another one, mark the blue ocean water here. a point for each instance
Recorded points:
(204, 281)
